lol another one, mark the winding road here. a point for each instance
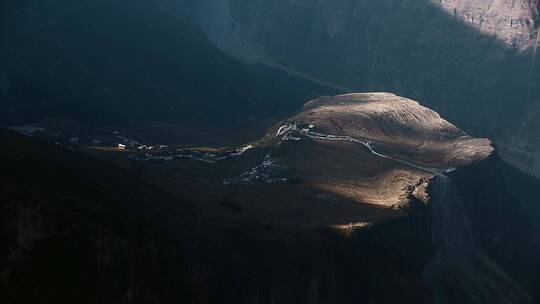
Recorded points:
(368, 144)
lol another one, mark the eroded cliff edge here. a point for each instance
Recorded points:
(485, 235)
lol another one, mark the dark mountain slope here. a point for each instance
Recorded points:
(503, 206)
(75, 229)
(485, 235)
(123, 62)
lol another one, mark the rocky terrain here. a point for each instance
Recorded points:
(514, 22)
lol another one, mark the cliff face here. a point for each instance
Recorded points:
(514, 22)
(522, 148)
(485, 236)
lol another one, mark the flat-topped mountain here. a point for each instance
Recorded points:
(373, 147)
(473, 61)
(395, 124)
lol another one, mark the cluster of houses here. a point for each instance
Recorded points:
(142, 147)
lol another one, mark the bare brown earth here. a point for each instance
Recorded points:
(398, 125)
(324, 182)
(204, 230)
(350, 170)
(298, 179)
(410, 136)
(80, 230)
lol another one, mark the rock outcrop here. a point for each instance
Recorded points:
(514, 22)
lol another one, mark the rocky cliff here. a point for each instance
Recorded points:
(514, 22)
(485, 236)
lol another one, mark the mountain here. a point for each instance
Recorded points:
(113, 237)
(125, 63)
(446, 219)
(373, 147)
(514, 22)
(473, 61)
(160, 151)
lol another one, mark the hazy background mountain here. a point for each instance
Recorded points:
(473, 61)
(118, 62)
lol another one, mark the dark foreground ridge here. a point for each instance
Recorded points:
(76, 229)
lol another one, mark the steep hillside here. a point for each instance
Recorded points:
(118, 62)
(373, 147)
(485, 235)
(75, 229)
(421, 49)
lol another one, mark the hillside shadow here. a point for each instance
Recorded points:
(413, 48)
(120, 62)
